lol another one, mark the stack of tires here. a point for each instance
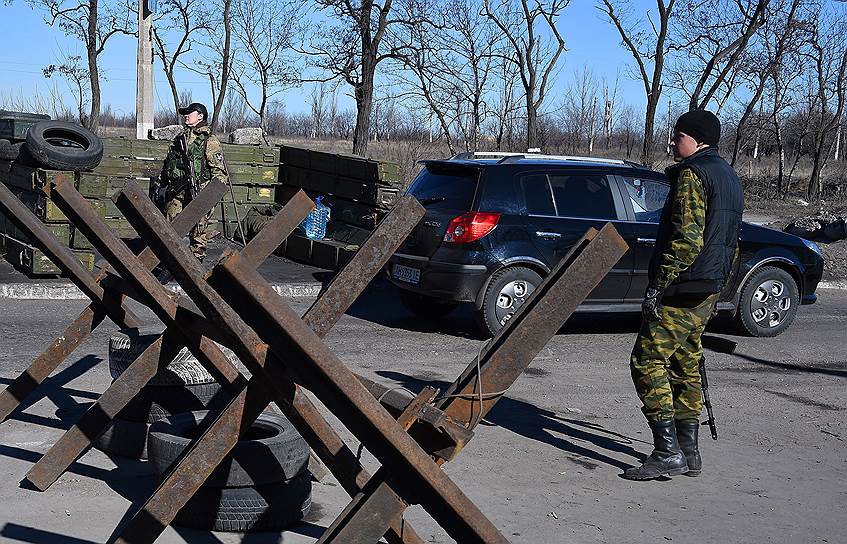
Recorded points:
(183, 386)
(262, 485)
(55, 144)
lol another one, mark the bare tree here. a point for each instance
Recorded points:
(506, 103)
(354, 46)
(610, 97)
(214, 58)
(710, 39)
(92, 23)
(264, 32)
(534, 56)
(77, 79)
(177, 21)
(778, 36)
(648, 43)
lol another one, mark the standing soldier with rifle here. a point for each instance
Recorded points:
(194, 159)
(696, 245)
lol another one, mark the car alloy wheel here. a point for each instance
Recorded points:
(508, 289)
(511, 297)
(770, 303)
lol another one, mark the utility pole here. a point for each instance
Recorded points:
(144, 70)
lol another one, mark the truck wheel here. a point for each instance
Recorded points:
(424, 306)
(769, 301)
(508, 290)
(64, 146)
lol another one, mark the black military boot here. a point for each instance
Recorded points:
(686, 433)
(666, 460)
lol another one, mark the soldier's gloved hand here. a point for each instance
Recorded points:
(650, 307)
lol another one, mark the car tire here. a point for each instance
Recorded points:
(124, 438)
(271, 507)
(425, 306)
(152, 404)
(64, 146)
(272, 451)
(506, 292)
(9, 151)
(768, 303)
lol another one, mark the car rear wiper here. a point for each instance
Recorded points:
(432, 200)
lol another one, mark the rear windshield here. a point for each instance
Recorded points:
(445, 188)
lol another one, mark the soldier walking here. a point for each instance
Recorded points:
(194, 159)
(696, 245)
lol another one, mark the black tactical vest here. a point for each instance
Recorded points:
(724, 206)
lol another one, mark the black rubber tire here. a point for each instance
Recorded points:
(784, 289)
(424, 306)
(9, 151)
(185, 369)
(487, 317)
(124, 438)
(64, 146)
(273, 450)
(271, 507)
(152, 404)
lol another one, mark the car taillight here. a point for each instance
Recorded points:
(470, 227)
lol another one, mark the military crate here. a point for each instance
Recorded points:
(349, 234)
(350, 166)
(347, 188)
(354, 213)
(97, 186)
(33, 261)
(121, 227)
(79, 241)
(30, 178)
(14, 125)
(250, 154)
(253, 174)
(226, 210)
(117, 147)
(298, 247)
(62, 231)
(331, 254)
(46, 210)
(257, 194)
(155, 150)
(128, 167)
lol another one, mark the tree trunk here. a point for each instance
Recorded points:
(364, 105)
(780, 148)
(649, 123)
(93, 73)
(531, 124)
(219, 103)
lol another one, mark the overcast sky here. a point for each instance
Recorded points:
(27, 45)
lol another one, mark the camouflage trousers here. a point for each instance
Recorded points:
(199, 236)
(665, 360)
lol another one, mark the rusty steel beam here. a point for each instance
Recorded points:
(509, 354)
(93, 422)
(212, 446)
(93, 315)
(316, 367)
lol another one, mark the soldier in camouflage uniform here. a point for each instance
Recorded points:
(206, 158)
(696, 245)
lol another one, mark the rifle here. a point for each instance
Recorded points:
(182, 147)
(706, 400)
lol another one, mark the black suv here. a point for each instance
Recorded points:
(494, 226)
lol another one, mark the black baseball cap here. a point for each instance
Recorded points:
(194, 106)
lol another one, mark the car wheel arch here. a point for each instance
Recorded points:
(782, 263)
(533, 264)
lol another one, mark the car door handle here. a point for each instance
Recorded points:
(646, 241)
(548, 235)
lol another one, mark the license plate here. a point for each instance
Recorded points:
(406, 274)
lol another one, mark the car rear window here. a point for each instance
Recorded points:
(445, 187)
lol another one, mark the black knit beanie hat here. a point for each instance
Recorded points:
(702, 125)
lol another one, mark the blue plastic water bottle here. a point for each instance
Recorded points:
(315, 223)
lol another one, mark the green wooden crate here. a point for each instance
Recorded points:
(128, 167)
(354, 213)
(33, 261)
(257, 194)
(121, 227)
(250, 154)
(14, 125)
(350, 166)
(348, 188)
(46, 210)
(79, 241)
(29, 178)
(117, 147)
(253, 174)
(62, 231)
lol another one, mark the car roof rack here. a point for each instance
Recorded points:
(508, 157)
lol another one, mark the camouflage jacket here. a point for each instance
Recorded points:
(687, 218)
(204, 153)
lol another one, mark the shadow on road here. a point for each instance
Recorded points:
(790, 367)
(22, 533)
(586, 443)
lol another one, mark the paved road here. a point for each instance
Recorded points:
(545, 465)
